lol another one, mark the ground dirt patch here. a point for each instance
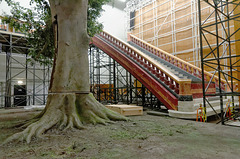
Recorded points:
(143, 137)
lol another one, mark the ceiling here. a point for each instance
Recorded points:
(119, 4)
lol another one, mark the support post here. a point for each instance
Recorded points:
(44, 83)
(201, 53)
(98, 75)
(127, 87)
(8, 91)
(131, 89)
(237, 42)
(218, 61)
(114, 83)
(143, 95)
(26, 77)
(34, 83)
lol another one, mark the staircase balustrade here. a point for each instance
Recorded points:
(172, 81)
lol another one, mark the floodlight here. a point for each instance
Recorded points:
(20, 82)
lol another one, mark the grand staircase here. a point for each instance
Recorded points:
(176, 83)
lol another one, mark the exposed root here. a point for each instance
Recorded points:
(66, 111)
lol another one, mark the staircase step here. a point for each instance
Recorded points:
(193, 114)
(188, 113)
(213, 103)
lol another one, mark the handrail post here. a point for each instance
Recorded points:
(185, 88)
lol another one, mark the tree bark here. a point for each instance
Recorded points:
(70, 104)
(71, 72)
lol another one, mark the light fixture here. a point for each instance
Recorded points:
(20, 82)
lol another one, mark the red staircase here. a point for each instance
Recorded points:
(164, 84)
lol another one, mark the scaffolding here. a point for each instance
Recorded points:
(32, 78)
(112, 84)
(219, 41)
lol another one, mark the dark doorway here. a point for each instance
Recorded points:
(132, 20)
(20, 95)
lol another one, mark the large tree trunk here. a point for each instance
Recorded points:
(69, 104)
(71, 72)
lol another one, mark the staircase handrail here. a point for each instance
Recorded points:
(190, 68)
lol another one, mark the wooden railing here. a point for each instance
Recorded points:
(194, 70)
(180, 86)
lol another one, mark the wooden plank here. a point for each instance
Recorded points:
(126, 110)
(131, 112)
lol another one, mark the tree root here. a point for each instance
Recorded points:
(66, 111)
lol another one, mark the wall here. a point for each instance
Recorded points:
(114, 22)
